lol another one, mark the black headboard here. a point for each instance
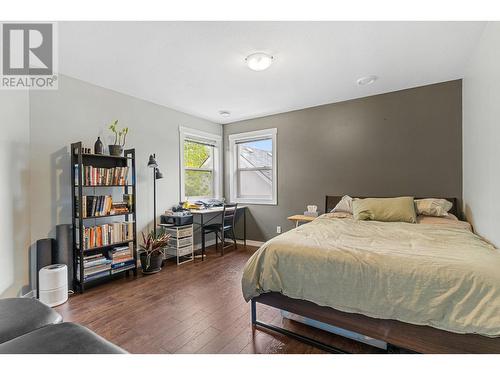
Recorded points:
(332, 200)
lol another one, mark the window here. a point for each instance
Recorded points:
(199, 169)
(200, 165)
(253, 167)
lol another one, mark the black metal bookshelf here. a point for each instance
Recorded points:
(81, 160)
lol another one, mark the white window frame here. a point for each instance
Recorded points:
(233, 165)
(202, 137)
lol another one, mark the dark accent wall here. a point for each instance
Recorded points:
(406, 142)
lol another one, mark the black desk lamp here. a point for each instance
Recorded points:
(157, 175)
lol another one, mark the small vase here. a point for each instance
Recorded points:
(115, 150)
(98, 147)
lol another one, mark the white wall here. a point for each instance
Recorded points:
(36, 131)
(79, 111)
(14, 198)
(481, 136)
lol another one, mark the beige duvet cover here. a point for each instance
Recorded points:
(443, 276)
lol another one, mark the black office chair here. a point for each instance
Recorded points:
(226, 224)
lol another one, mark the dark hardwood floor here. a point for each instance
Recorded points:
(192, 308)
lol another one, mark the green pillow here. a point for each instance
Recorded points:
(385, 209)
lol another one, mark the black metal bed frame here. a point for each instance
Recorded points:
(391, 349)
(296, 336)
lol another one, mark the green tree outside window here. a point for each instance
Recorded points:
(198, 164)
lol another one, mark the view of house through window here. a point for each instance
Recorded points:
(255, 162)
(253, 167)
(199, 169)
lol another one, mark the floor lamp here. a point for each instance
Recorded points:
(157, 175)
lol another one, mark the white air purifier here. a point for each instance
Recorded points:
(53, 281)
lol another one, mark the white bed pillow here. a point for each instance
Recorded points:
(345, 205)
(433, 207)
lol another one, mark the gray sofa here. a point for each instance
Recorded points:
(27, 326)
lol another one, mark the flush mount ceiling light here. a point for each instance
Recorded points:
(225, 113)
(365, 81)
(259, 61)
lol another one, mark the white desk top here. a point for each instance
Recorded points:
(211, 210)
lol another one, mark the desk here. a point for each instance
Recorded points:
(218, 210)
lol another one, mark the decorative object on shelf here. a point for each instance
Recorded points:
(312, 210)
(116, 149)
(129, 200)
(157, 175)
(98, 147)
(153, 251)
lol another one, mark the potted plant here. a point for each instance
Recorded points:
(116, 149)
(153, 251)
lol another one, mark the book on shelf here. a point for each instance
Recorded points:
(106, 234)
(119, 208)
(97, 275)
(94, 266)
(129, 267)
(129, 262)
(100, 205)
(95, 176)
(93, 205)
(97, 265)
(121, 254)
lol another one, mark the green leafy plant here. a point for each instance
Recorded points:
(154, 244)
(120, 134)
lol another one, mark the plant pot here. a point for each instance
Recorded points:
(115, 150)
(151, 265)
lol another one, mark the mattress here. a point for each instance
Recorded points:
(442, 276)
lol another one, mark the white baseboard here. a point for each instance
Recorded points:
(30, 294)
(239, 242)
(251, 243)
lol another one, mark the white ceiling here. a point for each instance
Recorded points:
(198, 67)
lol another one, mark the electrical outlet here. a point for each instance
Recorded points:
(278, 229)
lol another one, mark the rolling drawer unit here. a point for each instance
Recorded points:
(180, 244)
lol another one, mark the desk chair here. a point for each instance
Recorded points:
(226, 224)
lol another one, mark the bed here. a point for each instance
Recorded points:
(419, 287)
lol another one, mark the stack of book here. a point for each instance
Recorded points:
(122, 259)
(107, 234)
(93, 176)
(94, 267)
(119, 208)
